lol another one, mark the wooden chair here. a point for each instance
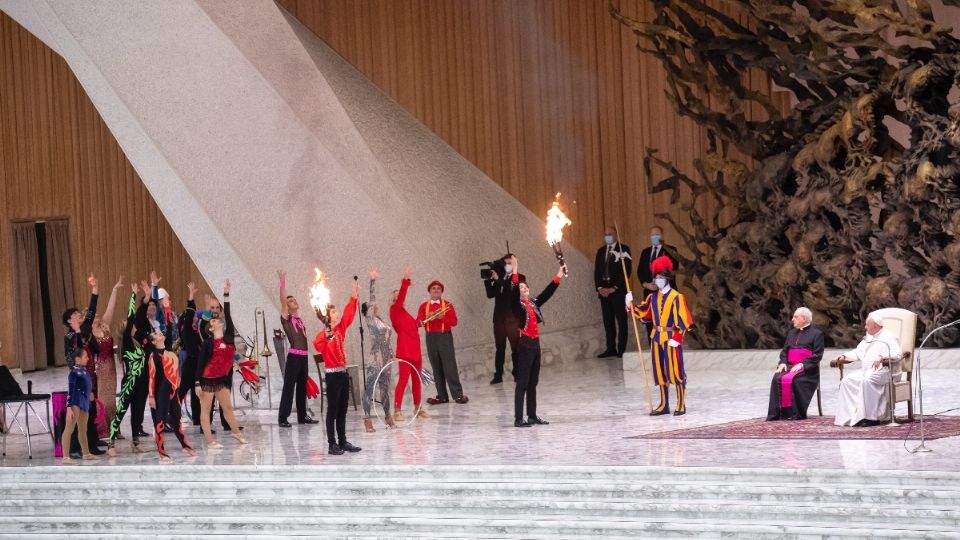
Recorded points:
(318, 360)
(902, 323)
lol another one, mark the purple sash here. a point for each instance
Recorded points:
(794, 357)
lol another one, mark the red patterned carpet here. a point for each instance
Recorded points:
(816, 427)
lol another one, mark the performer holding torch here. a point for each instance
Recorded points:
(556, 221)
(329, 342)
(529, 318)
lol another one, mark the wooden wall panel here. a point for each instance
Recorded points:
(541, 95)
(59, 160)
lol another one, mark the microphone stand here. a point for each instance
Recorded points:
(363, 363)
(916, 368)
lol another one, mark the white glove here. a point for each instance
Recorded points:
(629, 299)
(673, 343)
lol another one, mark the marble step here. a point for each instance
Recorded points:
(917, 516)
(268, 488)
(464, 527)
(104, 472)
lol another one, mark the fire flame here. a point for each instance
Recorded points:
(556, 221)
(319, 293)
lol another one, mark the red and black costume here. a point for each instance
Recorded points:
(164, 381)
(408, 347)
(329, 343)
(215, 365)
(529, 319)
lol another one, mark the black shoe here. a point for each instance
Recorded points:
(497, 379)
(167, 428)
(536, 420)
(228, 428)
(96, 451)
(103, 443)
(683, 412)
(284, 423)
(141, 433)
(308, 420)
(607, 354)
(520, 423)
(335, 450)
(76, 455)
(347, 447)
(660, 413)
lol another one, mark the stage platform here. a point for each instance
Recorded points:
(468, 473)
(593, 407)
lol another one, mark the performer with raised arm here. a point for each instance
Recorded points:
(105, 364)
(408, 348)
(133, 390)
(215, 372)
(380, 352)
(164, 368)
(295, 372)
(329, 342)
(79, 335)
(667, 310)
(529, 319)
(191, 342)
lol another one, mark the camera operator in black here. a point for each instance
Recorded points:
(499, 286)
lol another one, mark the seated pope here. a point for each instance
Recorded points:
(864, 400)
(798, 373)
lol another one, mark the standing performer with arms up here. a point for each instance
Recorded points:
(529, 319)
(329, 343)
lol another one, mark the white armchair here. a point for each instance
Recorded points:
(903, 324)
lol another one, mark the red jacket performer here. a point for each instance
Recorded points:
(438, 317)
(408, 348)
(527, 311)
(329, 343)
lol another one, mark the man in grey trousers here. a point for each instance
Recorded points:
(438, 317)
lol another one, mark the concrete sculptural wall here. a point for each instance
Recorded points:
(266, 150)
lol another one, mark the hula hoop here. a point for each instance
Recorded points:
(376, 382)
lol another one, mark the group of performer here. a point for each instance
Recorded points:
(154, 373)
(203, 370)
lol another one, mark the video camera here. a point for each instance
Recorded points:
(489, 267)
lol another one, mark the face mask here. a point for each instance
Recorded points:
(655, 239)
(508, 268)
(660, 282)
(608, 239)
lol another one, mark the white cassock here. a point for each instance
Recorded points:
(864, 394)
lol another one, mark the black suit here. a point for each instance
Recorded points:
(504, 322)
(646, 276)
(608, 273)
(643, 265)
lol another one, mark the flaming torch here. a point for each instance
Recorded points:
(556, 221)
(320, 296)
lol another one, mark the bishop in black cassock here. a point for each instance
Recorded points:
(798, 372)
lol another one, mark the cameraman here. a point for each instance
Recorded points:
(499, 286)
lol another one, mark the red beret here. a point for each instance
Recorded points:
(435, 282)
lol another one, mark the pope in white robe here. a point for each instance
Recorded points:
(864, 395)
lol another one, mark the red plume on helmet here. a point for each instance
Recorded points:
(662, 265)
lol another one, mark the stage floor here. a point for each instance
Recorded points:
(591, 414)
